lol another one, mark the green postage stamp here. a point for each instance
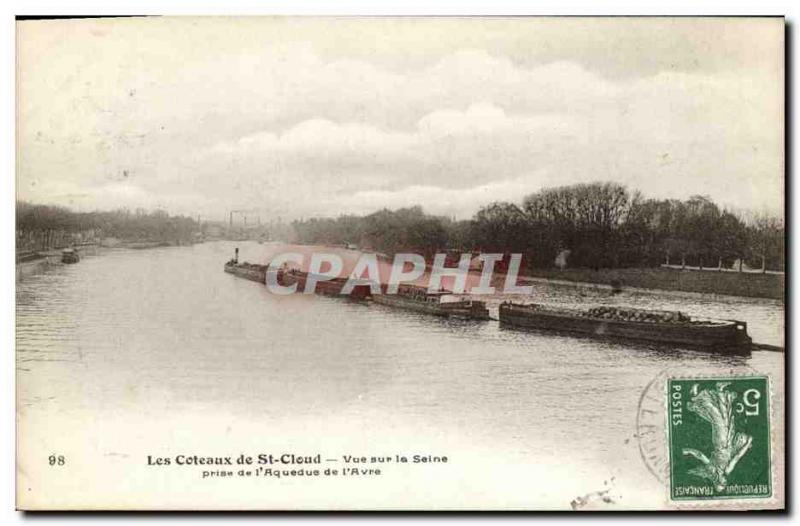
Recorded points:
(719, 438)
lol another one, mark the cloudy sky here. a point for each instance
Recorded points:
(299, 117)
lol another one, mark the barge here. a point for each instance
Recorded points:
(324, 286)
(246, 270)
(653, 326)
(416, 298)
(70, 255)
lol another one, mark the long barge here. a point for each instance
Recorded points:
(246, 270)
(415, 298)
(324, 285)
(653, 326)
(289, 276)
(251, 271)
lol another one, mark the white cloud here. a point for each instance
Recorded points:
(481, 118)
(444, 201)
(300, 122)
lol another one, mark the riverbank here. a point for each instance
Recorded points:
(770, 286)
(31, 262)
(30, 267)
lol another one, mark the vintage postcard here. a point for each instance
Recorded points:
(400, 263)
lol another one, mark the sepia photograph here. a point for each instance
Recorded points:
(374, 263)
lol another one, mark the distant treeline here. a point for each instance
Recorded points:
(596, 225)
(42, 226)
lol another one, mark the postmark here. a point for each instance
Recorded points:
(719, 438)
(650, 421)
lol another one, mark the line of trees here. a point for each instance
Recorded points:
(41, 227)
(595, 225)
(403, 230)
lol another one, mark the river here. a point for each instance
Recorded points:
(157, 352)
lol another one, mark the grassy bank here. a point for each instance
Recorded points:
(729, 283)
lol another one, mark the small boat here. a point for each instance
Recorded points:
(70, 255)
(440, 303)
(654, 326)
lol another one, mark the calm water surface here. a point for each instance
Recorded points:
(130, 339)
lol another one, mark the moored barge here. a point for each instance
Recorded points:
(70, 255)
(654, 326)
(416, 298)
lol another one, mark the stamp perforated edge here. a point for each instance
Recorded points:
(776, 499)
